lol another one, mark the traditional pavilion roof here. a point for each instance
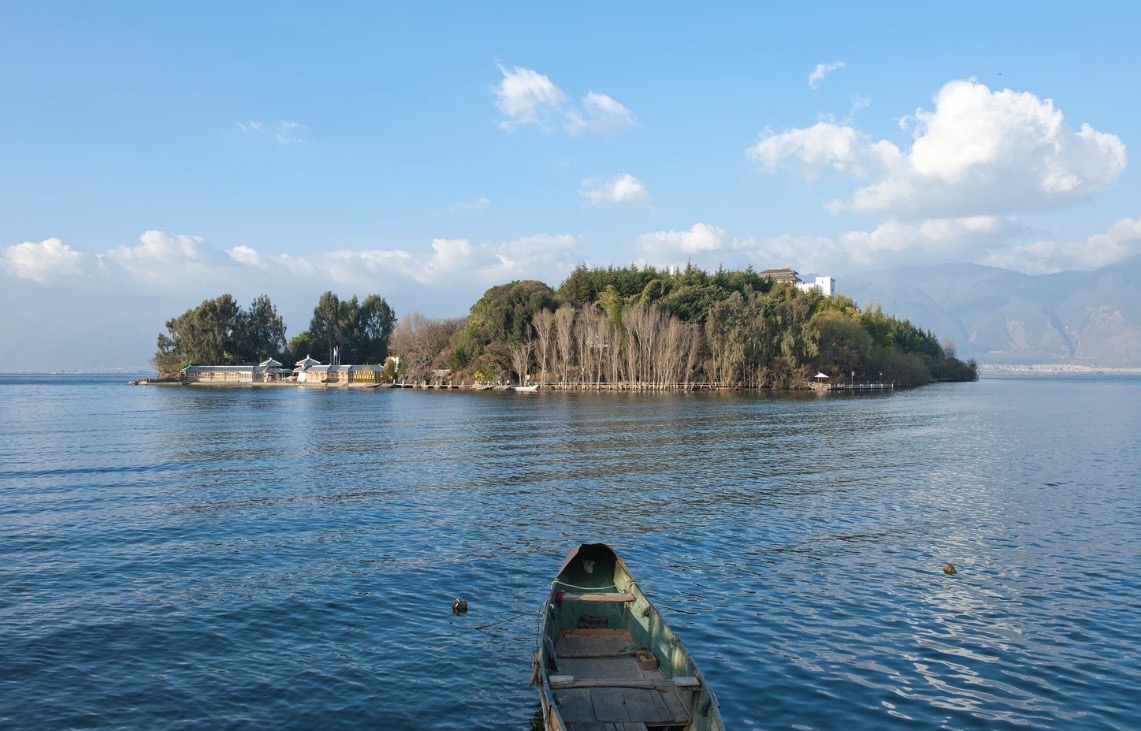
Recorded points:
(309, 361)
(781, 275)
(269, 363)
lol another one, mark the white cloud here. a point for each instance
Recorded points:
(161, 259)
(541, 256)
(600, 114)
(288, 133)
(173, 264)
(822, 70)
(823, 146)
(476, 205)
(621, 189)
(42, 262)
(251, 126)
(525, 97)
(858, 102)
(978, 153)
(803, 253)
(246, 255)
(942, 239)
(669, 245)
(1121, 240)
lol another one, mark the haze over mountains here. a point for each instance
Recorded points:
(1000, 316)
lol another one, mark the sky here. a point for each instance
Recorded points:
(153, 155)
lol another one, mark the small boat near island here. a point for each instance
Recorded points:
(526, 389)
(607, 660)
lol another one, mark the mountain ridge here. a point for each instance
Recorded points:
(1003, 316)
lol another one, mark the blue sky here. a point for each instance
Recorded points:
(153, 154)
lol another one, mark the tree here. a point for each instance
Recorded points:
(220, 332)
(374, 324)
(260, 332)
(359, 330)
(543, 322)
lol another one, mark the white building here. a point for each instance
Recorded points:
(824, 285)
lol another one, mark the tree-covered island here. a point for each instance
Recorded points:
(634, 327)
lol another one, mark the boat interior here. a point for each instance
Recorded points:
(610, 661)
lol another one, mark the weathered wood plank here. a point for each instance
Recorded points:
(575, 705)
(559, 682)
(600, 667)
(600, 597)
(610, 705)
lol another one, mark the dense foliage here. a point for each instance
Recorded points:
(220, 332)
(359, 330)
(638, 326)
(656, 328)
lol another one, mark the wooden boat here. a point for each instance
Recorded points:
(607, 661)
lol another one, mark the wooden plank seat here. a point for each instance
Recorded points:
(600, 681)
(606, 596)
(559, 682)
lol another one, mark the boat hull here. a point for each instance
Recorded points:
(606, 658)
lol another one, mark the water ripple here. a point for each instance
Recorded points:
(249, 558)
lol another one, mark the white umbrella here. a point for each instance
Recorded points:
(821, 375)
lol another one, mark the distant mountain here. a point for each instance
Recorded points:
(1000, 316)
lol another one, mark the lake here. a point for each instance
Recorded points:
(188, 558)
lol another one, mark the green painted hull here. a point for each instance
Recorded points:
(607, 660)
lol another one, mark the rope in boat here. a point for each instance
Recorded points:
(512, 618)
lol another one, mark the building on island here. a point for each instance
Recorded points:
(312, 372)
(217, 374)
(824, 285)
(309, 370)
(268, 371)
(782, 275)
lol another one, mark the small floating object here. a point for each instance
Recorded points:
(459, 606)
(949, 570)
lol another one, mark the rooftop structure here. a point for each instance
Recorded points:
(782, 275)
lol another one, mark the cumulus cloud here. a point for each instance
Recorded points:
(246, 255)
(808, 152)
(178, 264)
(251, 126)
(671, 246)
(804, 253)
(1121, 240)
(822, 70)
(42, 262)
(619, 190)
(941, 239)
(161, 258)
(979, 152)
(525, 98)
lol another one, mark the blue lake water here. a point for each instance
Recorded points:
(286, 558)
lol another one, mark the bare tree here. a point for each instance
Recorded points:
(564, 343)
(543, 322)
(521, 359)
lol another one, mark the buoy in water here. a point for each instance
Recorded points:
(459, 606)
(949, 570)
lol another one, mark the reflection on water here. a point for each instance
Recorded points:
(286, 557)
